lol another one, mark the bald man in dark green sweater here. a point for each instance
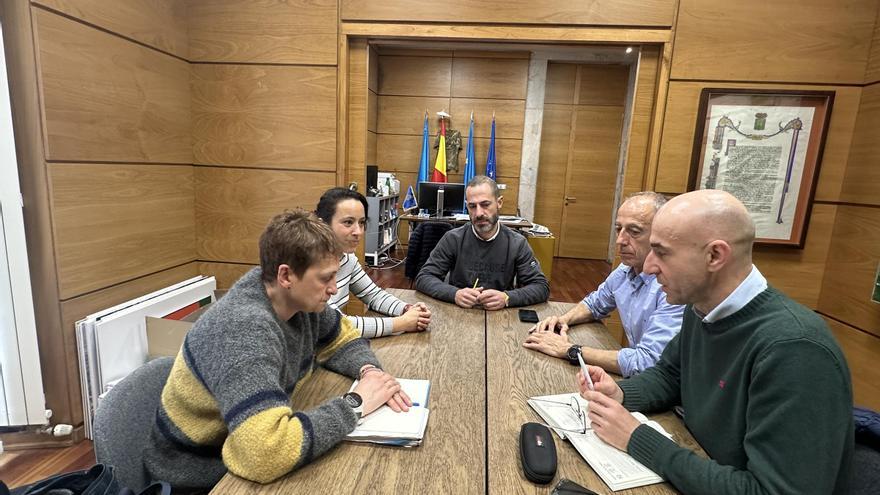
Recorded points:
(765, 387)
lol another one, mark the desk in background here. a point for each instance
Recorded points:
(471, 445)
(520, 224)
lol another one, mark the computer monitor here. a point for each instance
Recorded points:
(452, 197)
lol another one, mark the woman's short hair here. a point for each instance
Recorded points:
(298, 239)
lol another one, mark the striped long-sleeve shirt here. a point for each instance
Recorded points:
(352, 279)
(227, 402)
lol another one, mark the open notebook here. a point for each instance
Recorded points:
(404, 429)
(616, 468)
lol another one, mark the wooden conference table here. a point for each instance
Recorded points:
(480, 378)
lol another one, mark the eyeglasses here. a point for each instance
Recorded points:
(576, 424)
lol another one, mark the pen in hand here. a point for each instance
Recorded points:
(584, 370)
(477, 281)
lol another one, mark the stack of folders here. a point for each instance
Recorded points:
(616, 468)
(403, 429)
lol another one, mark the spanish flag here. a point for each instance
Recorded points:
(439, 174)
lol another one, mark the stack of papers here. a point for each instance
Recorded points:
(616, 468)
(403, 429)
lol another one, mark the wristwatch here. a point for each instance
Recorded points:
(572, 354)
(355, 402)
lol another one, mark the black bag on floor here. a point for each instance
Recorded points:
(99, 480)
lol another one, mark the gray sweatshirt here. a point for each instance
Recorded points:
(505, 263)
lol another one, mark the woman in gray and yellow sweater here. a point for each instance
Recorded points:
(227, 402)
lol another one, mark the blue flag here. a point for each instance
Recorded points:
(423, 162)
(470, 161)
(410, 201)
(490, 159)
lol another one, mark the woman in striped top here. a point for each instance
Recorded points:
(345, 211)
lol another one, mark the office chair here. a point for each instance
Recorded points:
(422, 241)
(125, 417)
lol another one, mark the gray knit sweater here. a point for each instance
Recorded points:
(226, 405)
(496, 263)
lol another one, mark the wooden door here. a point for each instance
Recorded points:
(580, 148)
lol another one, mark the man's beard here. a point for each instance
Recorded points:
(489, 227)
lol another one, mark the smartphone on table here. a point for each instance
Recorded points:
(528, 316)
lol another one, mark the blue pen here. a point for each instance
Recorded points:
(415, 404)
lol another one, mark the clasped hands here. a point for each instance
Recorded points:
(490, 299)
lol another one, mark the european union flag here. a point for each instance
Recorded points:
(490, 158)
(410, 202)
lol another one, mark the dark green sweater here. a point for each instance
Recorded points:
(767, 394)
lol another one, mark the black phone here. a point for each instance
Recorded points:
(528, 316)
(568, 487)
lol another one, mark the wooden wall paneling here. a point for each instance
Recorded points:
(798, 272)
(559, 86)
(79, 307)
(872, 74)
(401, 153)
(819, 42)
(108, 99)
(603, 84)
(849, 274)
(373, 83)
(559, 34)
(406, 114)
(656, 133)
(268, 31)
(264, 116)
(357, 112)
(234, 205)
(161, 24)
(490, 78)
(511, 195)
(508, 156)
(405, 51)
(342, 92)
(415, 76)
(550, 187)
(151, 227)
(862, 352)
(640, 123)
(18, 38)
(372, 148)
(861, 183)
(225, 273)
(680, 121)
(373, 112)
(588, 12)
(509, 116)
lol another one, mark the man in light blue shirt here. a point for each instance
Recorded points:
(648, 320)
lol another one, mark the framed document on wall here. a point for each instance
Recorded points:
(764, 147)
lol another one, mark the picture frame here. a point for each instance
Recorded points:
(764, 147)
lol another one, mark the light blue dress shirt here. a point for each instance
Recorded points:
(751, 286)
(648, 320)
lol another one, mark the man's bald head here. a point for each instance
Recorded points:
(701, 248)
(707, 215)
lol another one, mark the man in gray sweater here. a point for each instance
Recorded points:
(486, 263)
(227, 402)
